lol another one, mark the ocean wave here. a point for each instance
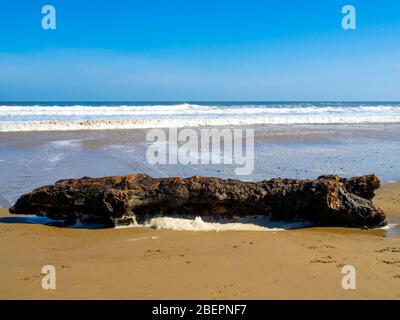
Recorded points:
(61, 125)
(183, 109)
(195, 223)
(91, 117)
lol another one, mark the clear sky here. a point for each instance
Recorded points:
(190, 50)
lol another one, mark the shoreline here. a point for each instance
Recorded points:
(31, 160)
(80, 126)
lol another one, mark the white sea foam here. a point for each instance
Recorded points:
(56, 158)
(192, 223)
(84, 117)
(66, 143)
(388, 227)
(58, 125)
(144, 238)
(181, 109)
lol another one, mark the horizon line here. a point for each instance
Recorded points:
(192, 101)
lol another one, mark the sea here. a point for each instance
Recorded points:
(42, 142)
(50, 116)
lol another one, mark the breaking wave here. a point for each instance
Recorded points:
(99, 117)
(196, 223)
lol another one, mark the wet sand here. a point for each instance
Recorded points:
(32, 159)
(139, 263)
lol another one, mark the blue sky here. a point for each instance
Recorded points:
(200, 50)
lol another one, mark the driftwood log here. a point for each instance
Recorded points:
(327, 201)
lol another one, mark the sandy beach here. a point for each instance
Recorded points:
(140, 263)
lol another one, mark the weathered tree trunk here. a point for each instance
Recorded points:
(328, 200)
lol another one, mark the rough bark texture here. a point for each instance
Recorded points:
(328, 200)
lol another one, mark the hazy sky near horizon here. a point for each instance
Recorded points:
(200, 50)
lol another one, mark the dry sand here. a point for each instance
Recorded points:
(139, 263)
